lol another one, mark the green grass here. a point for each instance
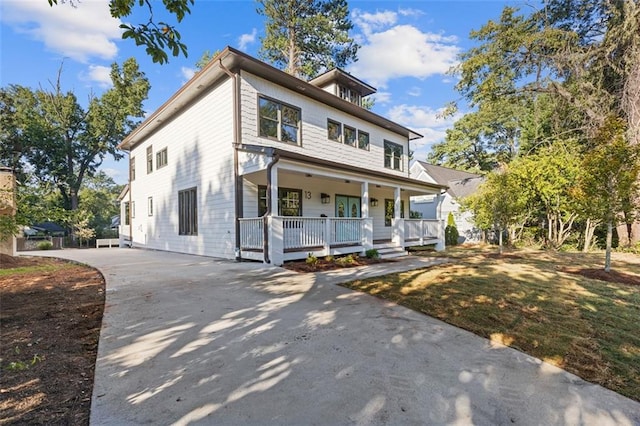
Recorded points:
(43, 268)
(524, 300)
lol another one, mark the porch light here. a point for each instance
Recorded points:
(325, 198)
(374, 202)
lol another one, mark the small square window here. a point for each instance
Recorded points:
(150, 206)
(349, 136)
(334, 130)
(363, 140)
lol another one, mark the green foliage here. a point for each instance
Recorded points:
(451, 235)
(24, 365)
(372, 254)
(415, 214)
(347, 260)
(311, 260)
(157, 37)
(206, 57)
(8, 227)
(99, 198)
(61, 141)
(329, 258)
(451, 220)
(44, 245)
(306, 37)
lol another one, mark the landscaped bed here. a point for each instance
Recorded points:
(538, 302)
(50, 323)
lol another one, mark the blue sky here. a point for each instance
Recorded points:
(406, 49)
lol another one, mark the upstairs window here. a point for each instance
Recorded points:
(349, 136)
(161, 158)
(132, 168)
(334, 130)
(392, 155)
(279, 121)
(149, 159)
(363, 140)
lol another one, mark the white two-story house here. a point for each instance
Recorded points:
(248, 162)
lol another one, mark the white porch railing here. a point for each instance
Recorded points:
(420, 230)
(252, 233)
(346, 231)
(303, 232)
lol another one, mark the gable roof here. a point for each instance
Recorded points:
(460, 183)
(234, 60)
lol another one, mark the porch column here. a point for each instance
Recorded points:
(397, 223)
(274, 190)
(440, 245)
(364, 192)
(276, 243)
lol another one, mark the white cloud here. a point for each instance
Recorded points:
(80, 33)
(246, 39)
(382, 98)
(369, 22)
(426, 121)
(98, 74)
(187, 73)
(415, 91)
(115, 174)
(404, 51)
(410, 12)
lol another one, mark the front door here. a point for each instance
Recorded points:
(347, 206)
(346, 231)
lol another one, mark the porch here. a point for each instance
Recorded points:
(292, 238)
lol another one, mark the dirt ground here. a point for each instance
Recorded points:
(325, 265)
(50, 318)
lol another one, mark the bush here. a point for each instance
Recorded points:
(329, 258)
(45, 245)
(346, 260)
(372, 254)
(312, 260)
(451, 234)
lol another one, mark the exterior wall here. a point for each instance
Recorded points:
(427, 206)
(314, 141)
(199, 144)
(312, 206)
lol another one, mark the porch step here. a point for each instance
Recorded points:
(391, 252)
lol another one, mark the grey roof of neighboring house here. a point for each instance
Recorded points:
(460, 183)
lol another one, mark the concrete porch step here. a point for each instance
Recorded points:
(391, 252)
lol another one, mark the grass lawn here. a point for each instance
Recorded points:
(525, 300)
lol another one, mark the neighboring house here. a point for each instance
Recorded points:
(246, 161)
(460, 184)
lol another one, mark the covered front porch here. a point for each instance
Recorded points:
(292, 208)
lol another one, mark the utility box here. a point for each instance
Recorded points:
(7, 207)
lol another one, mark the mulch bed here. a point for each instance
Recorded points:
(600, 274)
(324, 265)
(50, 322)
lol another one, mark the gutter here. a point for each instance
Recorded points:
(237, 138)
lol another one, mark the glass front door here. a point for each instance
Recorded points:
(347, 206)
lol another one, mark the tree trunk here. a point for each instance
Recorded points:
(589, 230)
(607, 257)
(500, 241)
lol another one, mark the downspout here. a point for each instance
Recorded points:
(130, 205)
(237, 136)
(265, 239)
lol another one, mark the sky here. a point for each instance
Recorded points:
(407, 47)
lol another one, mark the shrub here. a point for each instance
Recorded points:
(451, 232)
(45, 245)
(312, 260)
(372, 254)
(329, 258)
(346, 260)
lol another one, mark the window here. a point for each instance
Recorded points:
(363, 140)
(188, 212)
(279, 121)
(127, 213)
(349, 136)
(389, 207)
(132, 168)
(289, 201)
(149, 159)
(334, 130)
(161, 158)
(150, 206)
(350, 95)
(392, 155)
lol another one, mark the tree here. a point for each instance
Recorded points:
(206, 57)
(99, 198)
(305, 37)
(156, 37)
(63, 142)
(609, 185)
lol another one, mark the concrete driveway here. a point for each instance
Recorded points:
(194, 340)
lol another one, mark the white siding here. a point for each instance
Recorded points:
(314, 141)
(199, 143)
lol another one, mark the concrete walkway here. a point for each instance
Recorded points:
(194, 340)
